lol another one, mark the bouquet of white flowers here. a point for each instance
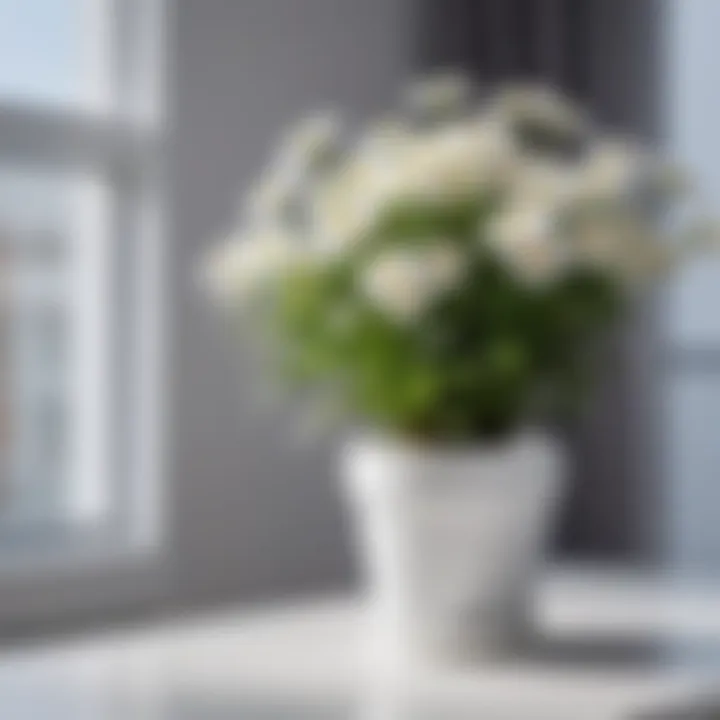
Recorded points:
(448, 273)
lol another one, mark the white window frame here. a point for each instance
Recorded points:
(124, 561)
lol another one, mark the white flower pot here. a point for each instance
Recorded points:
(451, 540)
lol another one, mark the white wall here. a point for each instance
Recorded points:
(253, 514)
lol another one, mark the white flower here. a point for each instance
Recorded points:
(404, 282)
(312, 138)
(464, 160)
(618, 244)
(241, 265)
(612, 170)
(347, 201)
(267, 202)
(384, 139)
(545, 182)
(395, 166)
(442, 92)
(525, 237)
(344, 208)
(537, 105)
(288, 176)
(597, 245)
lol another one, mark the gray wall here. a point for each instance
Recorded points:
(253, 513)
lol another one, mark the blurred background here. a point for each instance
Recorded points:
(138, 472)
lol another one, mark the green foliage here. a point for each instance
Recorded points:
(491, 354)
(451, 274)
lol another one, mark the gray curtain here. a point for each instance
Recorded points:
(608, 55)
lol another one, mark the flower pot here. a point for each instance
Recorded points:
(451, 540)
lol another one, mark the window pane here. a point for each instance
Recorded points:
(693, 319)
(692, 118)
(55, 51)
(693, 455)
(53, 399)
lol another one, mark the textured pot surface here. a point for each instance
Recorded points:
(451, 540)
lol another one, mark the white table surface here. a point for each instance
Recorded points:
(619, 649)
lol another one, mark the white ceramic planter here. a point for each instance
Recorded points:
(450, 540)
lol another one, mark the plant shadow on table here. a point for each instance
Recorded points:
(622, 652)
(706, 709)
(596, 652)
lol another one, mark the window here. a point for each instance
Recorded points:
(54, 51)
(693, 321)
(81, 148)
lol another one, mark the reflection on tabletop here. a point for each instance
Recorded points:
(612, 646)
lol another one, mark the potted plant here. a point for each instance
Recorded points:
(446, 279)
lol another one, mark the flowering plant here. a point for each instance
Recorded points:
(449, 273)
